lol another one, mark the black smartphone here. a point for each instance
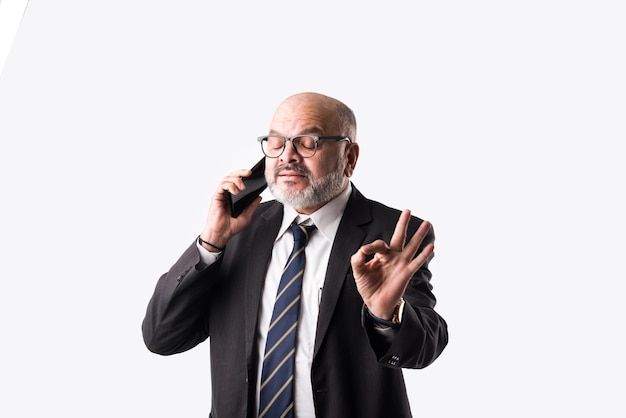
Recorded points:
(255, 184)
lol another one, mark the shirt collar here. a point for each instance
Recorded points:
(326, 218)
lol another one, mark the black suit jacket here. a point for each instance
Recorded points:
(355, 374)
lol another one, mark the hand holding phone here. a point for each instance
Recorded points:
(255, 184)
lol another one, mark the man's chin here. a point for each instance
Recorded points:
(286, 192)
(289, 194)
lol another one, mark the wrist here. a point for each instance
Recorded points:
(393, 321)
(210, 246)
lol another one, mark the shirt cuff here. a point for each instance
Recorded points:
(206, 257)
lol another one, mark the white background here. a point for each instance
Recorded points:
(500, 122)
(11, 12)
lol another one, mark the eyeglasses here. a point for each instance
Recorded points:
(305, 145)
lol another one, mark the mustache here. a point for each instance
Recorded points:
(291, 167)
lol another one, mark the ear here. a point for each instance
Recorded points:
(352, 155)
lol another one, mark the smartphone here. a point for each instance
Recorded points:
(255, 184)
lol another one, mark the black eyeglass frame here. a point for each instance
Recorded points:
(316, 138)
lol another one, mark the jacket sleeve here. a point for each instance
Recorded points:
(177, 315)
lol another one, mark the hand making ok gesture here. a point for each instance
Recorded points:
(381, 281)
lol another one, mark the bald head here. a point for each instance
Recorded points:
(329, 115)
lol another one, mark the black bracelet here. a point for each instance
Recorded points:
(380, 321)
(201, 241)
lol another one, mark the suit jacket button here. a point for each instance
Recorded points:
(393, 360)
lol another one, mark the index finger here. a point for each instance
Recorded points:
(233, 182)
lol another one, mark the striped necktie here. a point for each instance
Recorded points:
(277, 377)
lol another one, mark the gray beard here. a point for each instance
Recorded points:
(318, 193)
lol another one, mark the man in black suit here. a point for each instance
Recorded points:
(366, 309)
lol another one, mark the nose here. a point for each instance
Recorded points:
(290, 154)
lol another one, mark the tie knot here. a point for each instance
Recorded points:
(301, 233)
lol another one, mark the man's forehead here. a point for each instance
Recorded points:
(305, 118)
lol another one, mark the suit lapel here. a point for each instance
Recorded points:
(350, 236)
(262, 243)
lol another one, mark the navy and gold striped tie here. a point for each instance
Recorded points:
(276, 397)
